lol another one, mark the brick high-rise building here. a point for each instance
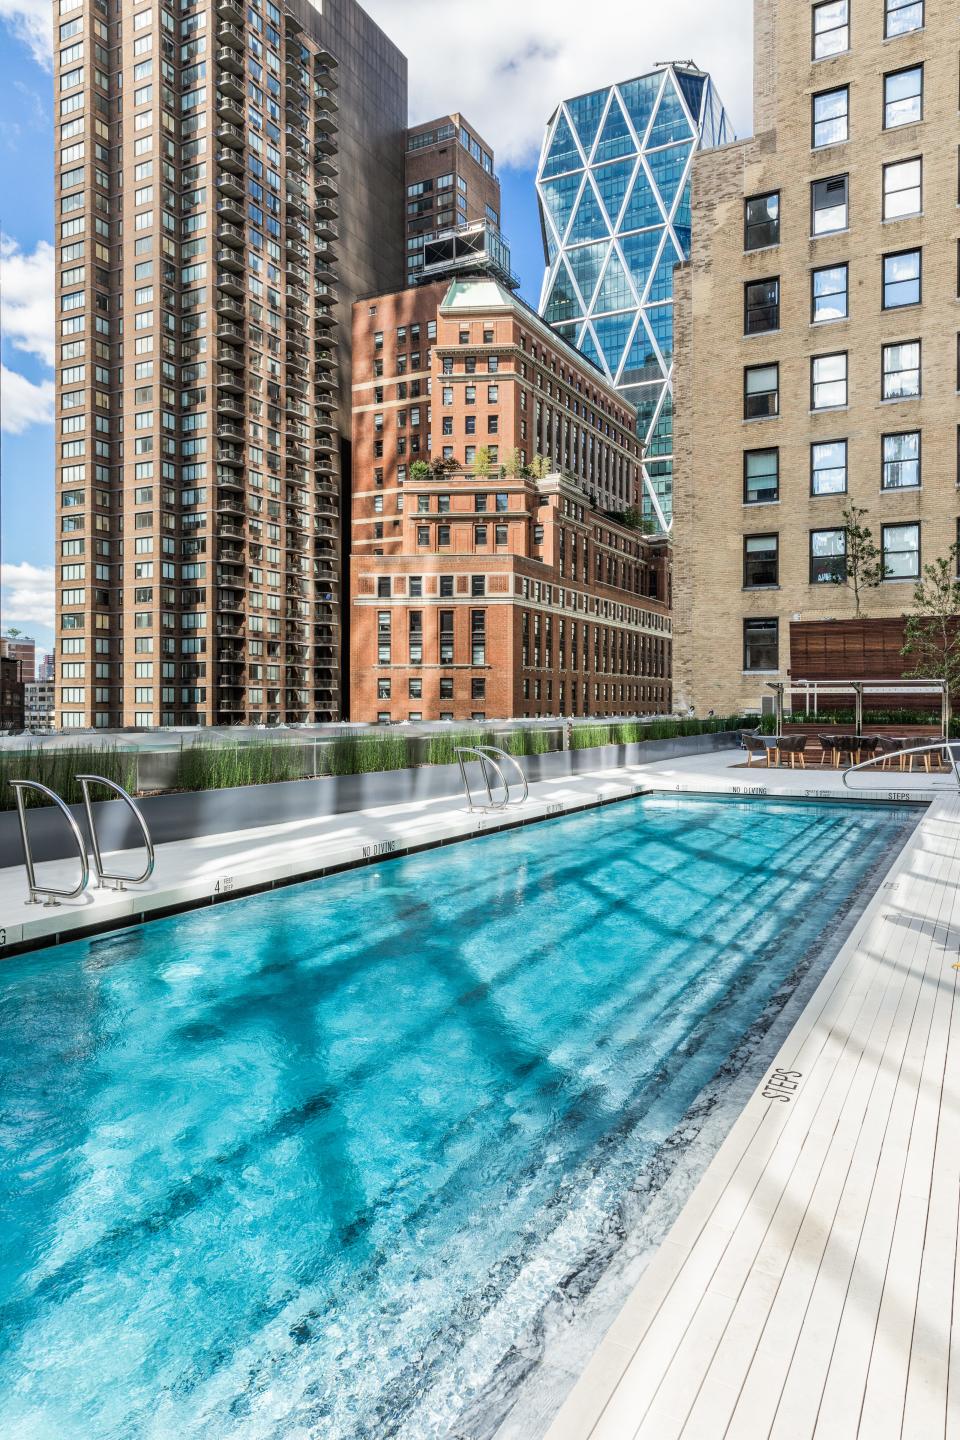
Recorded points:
(201, 206)
(495, 568)
(24, 649)
(450, 181)
(816, 346)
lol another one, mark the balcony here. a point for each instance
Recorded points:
(230, 406)
(324, 145)
(298, 207)
(231, 234)
(230, 431)
(325, 125)
(326, 185)
(226, 330)
(227, 525)
(230, 10)
(230, 106)
(231, 160)
(229, 186)
(230, 208)
(229, 506)
(325, 229)
(229, 282)
(231, 35)
(229, 134)
(325, 98)
(231, 260)
(228, 307)
(229, 455)
(230, 78)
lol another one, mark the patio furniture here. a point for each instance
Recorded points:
(754, 745)
(830, 745)
(889, 746)
(794, 746)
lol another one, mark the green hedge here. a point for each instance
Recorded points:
(58, 768)
(630, 732)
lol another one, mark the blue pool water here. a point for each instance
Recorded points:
(310, 1163)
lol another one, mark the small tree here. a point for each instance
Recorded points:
(540, 467)
(514, 464)
(863, 563)
(483, 465)
(420, 470)
(932, 632)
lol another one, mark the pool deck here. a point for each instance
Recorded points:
(808, 1286)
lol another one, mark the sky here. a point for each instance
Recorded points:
(504, 66)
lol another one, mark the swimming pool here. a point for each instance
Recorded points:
(310, 1163)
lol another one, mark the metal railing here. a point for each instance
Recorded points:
(487, 763)
(120, 881)
(54, 895)
(490, 758)
(951, 748)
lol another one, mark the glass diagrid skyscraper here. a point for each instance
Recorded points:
(614, 189)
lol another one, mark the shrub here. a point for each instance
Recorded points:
(57, 767)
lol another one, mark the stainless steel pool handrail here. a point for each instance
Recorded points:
(121, 881)
(936, 747)
(492, 750)
(55, 895)
(485, 760)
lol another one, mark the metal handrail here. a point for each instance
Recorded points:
(934, 747)
(485, 761)
(102, 875)
(492, 750)
(55, 896)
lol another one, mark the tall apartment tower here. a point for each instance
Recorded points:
(200, 285)
(613, 184)
(450, 181)
(817, 353)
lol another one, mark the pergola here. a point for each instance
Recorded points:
(813, 690)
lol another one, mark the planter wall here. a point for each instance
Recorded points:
(215, 812)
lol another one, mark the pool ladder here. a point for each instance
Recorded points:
(120, 881)
(950, 747)
(490, 759)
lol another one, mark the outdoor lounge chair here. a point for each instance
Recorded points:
(830, 745)
(794, 746)
(754, 745)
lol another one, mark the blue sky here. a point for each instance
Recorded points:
(523, 60)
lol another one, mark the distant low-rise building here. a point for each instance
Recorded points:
(39, 708)
(11, 689)
(498, 564)
(24, 649)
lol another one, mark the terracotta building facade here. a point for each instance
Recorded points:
(496, 570)
(816, 352)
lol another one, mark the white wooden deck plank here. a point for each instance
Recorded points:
(822, 1255)
(793, 1243)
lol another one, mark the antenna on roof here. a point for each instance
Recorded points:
(677, 64)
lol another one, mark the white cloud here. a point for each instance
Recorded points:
(28, 276)
(507, 65)
(28, 595)
(32, 22)
(24, 404)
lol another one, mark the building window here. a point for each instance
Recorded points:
(446, 584)
(415, 687)
(415, 636)
(829, 204)
(830, 294)
(446, 637)
(478, 637)
(383, 688)
(423, 534)
(901, 551)
(902, 16)
(901, 461)
(760, 561)
(761, 391)
(831, 117)
(902, 189)
(478, 689)
(761, 306)
(415, 585)
(478, 584)
(479, 534)
(828, 556)
(762, 221)
(443, 534)
(828, 467)
(761, 477)
(480, 503)
(901, 371)
(446, 687)
(383, 587)
(901, 279)
(828, 381)
(383, 637)
(500, 535)
(831, 28)
(761, 645)
(903, 97)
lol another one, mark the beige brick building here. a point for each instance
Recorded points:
(817, 347)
